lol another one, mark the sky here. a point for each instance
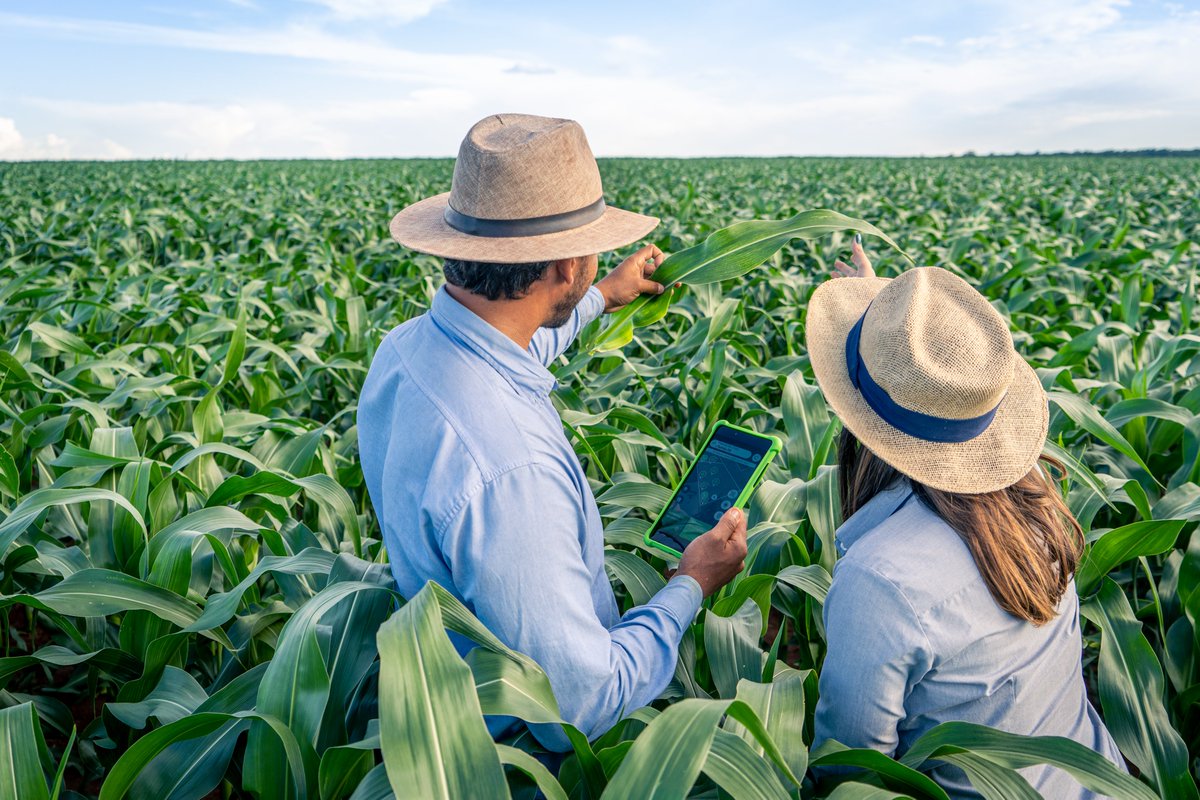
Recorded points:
(379, 78)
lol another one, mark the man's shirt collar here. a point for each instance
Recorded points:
(515, 365)
(873, 513)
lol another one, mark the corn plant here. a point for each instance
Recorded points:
(194, 599)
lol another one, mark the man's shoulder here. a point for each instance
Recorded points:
(435, 402)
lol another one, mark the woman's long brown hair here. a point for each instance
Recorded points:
(1023, 538)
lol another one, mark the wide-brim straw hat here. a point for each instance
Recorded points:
(525, 189)
(938, 390)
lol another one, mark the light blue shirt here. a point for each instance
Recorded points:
(477, 488)
(916, 639)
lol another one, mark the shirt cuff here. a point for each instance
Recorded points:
(591, 306)
(681, 598)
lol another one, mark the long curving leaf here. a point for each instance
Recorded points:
(547, 785)
(101, 592)
(731, 644)
(667, 757)
(727, 253)
(33, 504)
(1131, 692)
(434, 741)
(1123, 544)
(1092, 770)
(735, 766)
(22, 754)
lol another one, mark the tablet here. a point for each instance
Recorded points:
(729, 468)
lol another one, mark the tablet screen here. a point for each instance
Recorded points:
(719, 475)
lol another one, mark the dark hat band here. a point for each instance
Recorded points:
(531, 226)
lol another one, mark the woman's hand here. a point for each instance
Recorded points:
(862, 265)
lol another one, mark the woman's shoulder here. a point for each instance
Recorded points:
(917, 553)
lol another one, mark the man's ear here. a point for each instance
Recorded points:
(564, 270)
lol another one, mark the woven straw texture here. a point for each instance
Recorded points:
(518, 166)
(936, 346)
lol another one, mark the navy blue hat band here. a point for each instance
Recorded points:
(913, 423)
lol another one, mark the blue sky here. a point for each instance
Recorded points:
(367, 78)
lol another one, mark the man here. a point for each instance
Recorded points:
(474, 482)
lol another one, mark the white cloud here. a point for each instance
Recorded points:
(10, 137)
(16, 147)
(1021, 22)
(1064, 75)
(1051, 74)
(395, 11)
(296, 40)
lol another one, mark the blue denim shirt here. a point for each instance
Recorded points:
(916, 639)
(477, 488)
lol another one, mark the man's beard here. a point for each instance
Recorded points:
(564, 308)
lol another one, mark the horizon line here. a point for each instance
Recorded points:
(1158, 152)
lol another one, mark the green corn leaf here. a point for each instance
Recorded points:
(101, 592)
(732, 647)
(667, 757)
(23, 755)
(177, 695)
(640, 579)
(546, 783)
(781, 707)
(1124, 544)
(862, 791)
(221, 607)
(1085, 415)
(435, 744)
(60, 339)
(1131, 691)
(295, 691)
(237, 350)
(728, 253)
(116, 663)
(894, 774)
(993, 781)
(34, 503)
(193, 767)
(344, 769)
(121, 778)
(375, 786)
(10, 478)
(739, 770)
(1013, 751)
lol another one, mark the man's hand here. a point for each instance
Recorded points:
(629, 280)
(862, 265)
(716, 557)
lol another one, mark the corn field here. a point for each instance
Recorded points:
(194, 600)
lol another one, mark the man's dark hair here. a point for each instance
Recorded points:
(493, 281)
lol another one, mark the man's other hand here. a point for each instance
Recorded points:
(716, 557)
(631, 278)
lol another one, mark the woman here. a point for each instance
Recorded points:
(953, 598)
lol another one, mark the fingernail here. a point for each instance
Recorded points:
(858, 239)
(735, 515)
(661, 288)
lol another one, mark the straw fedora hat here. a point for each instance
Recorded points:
(525, 189)
(923, 371)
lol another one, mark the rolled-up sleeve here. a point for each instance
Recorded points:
(550, 343)
(515, 553)
(877, 652)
